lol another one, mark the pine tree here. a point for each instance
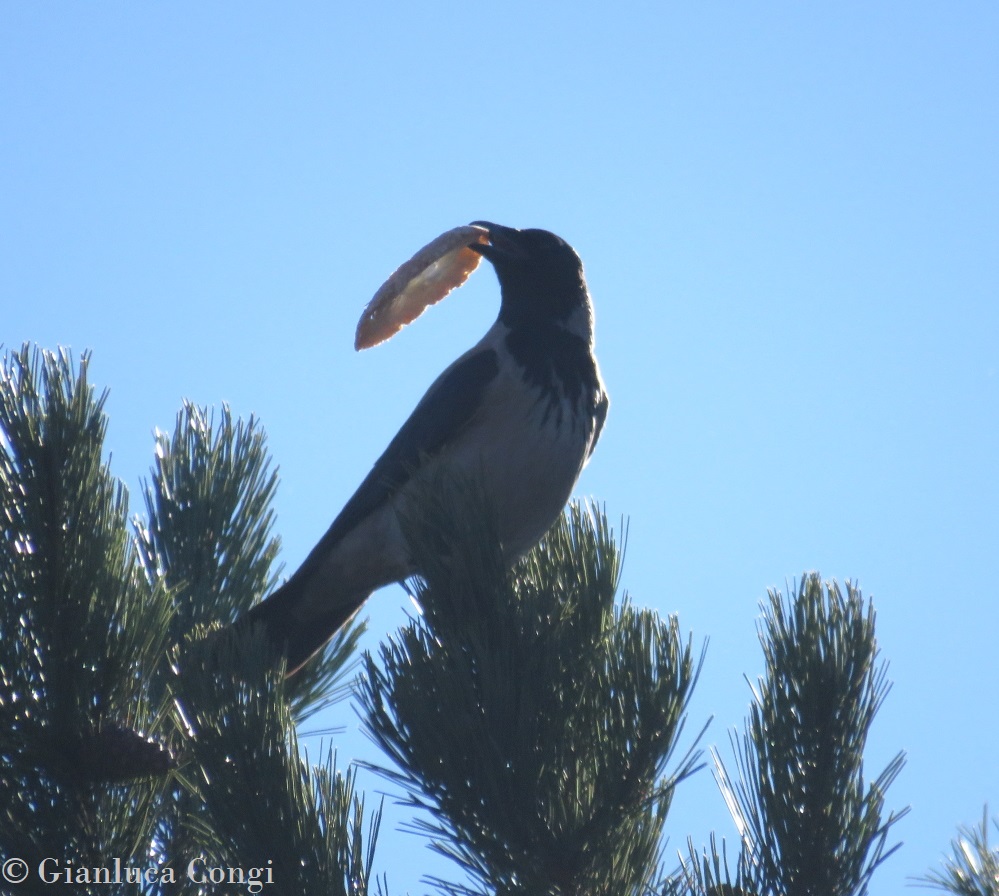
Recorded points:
(537, 717)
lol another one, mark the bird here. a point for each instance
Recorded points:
(522, 409)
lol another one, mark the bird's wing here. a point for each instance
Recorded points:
(443, 412)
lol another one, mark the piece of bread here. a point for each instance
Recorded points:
(439, 267)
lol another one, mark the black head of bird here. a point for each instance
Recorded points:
(540, 274)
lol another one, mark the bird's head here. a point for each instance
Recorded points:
(540, 274)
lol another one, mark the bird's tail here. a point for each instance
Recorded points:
(297, 630)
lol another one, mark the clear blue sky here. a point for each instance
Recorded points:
(789, 221)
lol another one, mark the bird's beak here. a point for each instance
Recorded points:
(504, 242)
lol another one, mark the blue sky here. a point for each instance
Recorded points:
(789, 221)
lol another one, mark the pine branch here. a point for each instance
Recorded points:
(208, 538)
(81, 631)
(973, 870)
(210, 517)
(530, 717)
(807, 821)
(267, 808)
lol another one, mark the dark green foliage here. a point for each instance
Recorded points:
(973, 869)
(808, 822)
(82, 632)
(211, 489)
(533, 719)
(87, 697)
(208, 538)
(265, 806)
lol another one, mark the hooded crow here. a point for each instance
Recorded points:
(522, 409)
